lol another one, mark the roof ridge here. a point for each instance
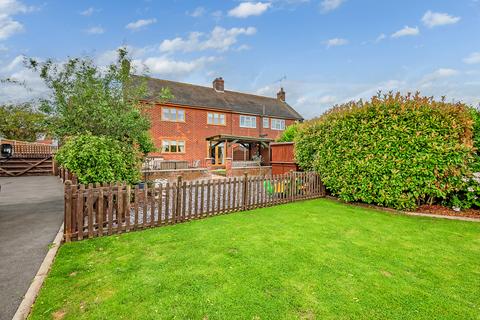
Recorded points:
(198, 85)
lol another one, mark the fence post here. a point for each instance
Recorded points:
(179, 198)
(67, 231)
(245, 190)
(293, 185)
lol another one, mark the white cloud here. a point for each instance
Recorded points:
(247, 9)
(14, 93)
(8, 9)
(219, 38)
(380, 37)
(433, 19)
(88, 12)
(95, 30)
(9, 27)
(139, 24)
(473, 58)
(330, 5)
(167, 67)
(335, 42)
(406, 31)
(198, 12)
(441, 73)
(12, 7)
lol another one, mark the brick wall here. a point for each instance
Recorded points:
(195, 130)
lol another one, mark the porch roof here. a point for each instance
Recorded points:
(239, 139)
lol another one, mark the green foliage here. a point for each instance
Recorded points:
(103, 101)
(21, 122)
(396, 151)
(99, 159)
(103, 106)
(289, 134)
(469, 194)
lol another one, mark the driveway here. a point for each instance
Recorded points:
(31, 213)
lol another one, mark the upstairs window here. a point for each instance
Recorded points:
(173, 146)
(173, 114)
(278, 124)
(216, 118)
(248, 121)
(266, 123)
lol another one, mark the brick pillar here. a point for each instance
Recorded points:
(209, 163)
(228, 166)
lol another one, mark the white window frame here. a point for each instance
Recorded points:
(278, 124)
(220, 118)
(266, 123)
(248, 121)
(171, 143)
(173, 114)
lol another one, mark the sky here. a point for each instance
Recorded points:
(322, 52)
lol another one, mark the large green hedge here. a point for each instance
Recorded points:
(100, 159)
(397, 151)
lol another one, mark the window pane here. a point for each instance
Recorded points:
(180, 115)
(165, 146)
(265, 122)
(210, 118)
(165, 115)
(222, 119)
(181, 146)
(173, 146)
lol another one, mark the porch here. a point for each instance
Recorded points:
(238, 153)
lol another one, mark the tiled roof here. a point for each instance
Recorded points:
(205, 97)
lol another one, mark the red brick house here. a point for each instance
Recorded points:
(212, 123)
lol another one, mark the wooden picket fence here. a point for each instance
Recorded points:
(100, 210)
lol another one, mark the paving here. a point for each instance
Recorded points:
(31, 212)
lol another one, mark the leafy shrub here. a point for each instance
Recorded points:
(469, 194)
(289, 134)
(100, 159)
(397, 151)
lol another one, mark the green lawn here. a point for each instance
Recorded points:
(316, 259)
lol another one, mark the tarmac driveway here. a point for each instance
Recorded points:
(31, 213)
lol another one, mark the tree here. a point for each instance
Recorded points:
(100, 116)
(21, 122)
(102, 101)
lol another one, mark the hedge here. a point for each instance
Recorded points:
(396, 151)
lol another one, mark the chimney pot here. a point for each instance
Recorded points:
(281, 95)
(218, 84)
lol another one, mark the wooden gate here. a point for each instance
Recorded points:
(282, 157)
(28, 159)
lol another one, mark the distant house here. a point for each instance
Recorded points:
(213, 123)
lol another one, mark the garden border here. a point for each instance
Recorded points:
(30, 296)
(408, 213)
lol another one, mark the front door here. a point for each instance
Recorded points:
(218, 154)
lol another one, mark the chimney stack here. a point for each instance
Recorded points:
(218, 84)
(281, 95)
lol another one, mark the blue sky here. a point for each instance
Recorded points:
(322, 52)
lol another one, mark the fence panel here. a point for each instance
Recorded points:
(95, 211)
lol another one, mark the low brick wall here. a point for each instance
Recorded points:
(171, 175)
(251, 171)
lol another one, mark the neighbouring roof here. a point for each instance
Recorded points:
(207, 97)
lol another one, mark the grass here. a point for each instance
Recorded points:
(316, 259)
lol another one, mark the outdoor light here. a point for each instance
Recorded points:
(7, 150)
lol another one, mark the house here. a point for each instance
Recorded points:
(213, 124)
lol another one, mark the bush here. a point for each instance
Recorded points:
(396, 151)
(469, 194)
(289, 134)
(100, 159)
